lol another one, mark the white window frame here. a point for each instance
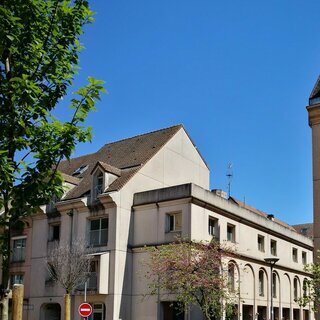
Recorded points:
(98, 310)
(273, 248)
(231, 236)
(172, 221)
(99, 232)
(16, 278)
(98, 183)
(261, 243)
(304, 257)
(19, 257)
(213, 227)
(294, 254)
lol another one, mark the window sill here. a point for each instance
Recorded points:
(173, 231)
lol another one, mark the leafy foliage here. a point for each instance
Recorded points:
(311, 287)
(193, 272)
(39, 53)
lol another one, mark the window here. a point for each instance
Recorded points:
(231, 278)
(19, 250)
(295, 289)
(54, 232)
(231, 233)
(274, 285)
(97, 184)
(304, 258)
(98, 233)
(174, 221)
(305, 288)
(273, 247)
(295, 255)
(16, 279)
(261, 283)
(212, 227)
(92, 283)
(98, 311)
(260, 243)
(304, 231)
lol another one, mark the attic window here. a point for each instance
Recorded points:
(80, 170)
(98, 184)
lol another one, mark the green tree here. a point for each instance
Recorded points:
(311, 287)
(39, 54)
(194, 273)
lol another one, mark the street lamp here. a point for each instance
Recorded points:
(272, 262)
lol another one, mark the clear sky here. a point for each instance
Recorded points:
(236, 74)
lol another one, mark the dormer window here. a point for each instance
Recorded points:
(80, 170)
(98, 183)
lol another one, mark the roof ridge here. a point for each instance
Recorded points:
(142, 134)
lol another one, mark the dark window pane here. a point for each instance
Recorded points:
(95, 224)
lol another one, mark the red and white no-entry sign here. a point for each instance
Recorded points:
(85, 309)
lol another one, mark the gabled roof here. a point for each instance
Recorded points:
(127, 156)
(108, 168)
(70, 179)
(316, 90)
(261, 213)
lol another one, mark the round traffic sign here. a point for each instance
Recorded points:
(85, 309)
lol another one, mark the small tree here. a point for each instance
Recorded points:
(70, 267)
(193, 272)
(311, 287)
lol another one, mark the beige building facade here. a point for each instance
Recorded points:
(146, 190)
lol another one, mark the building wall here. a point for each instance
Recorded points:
(177, 162)
(250, 260)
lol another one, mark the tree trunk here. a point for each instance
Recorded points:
(67, 306)
(17, 301)
(5, 308)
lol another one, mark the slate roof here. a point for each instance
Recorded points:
(124, 157)
(305, 229)
(316, 90)
(261, 213)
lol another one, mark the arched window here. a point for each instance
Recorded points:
(295, 289)
(261, 283)
(305, 287)
(274, 285)
(231, 277)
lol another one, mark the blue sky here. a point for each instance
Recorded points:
(236, 74)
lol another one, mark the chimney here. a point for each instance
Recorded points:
(270, 217)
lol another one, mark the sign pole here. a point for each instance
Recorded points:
(85, 292)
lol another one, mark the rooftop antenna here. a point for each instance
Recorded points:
(229, 175)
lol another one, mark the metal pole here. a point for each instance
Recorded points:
(271, 300)
(85, 291)
(272, 262)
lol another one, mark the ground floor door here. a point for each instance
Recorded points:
(50, 311)
(170, 311)
(247, 312)
(262, 313)
(285, 313)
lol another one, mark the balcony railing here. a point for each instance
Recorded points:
(92, 283)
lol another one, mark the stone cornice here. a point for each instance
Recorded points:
(314, 114)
